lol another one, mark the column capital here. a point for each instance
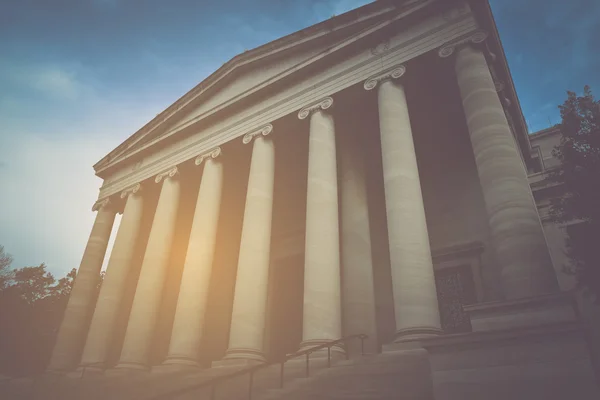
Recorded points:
(264, 131)
(322, 104)
(395, 72)
(131, 190)
(214, 153)
(171, 173)
(475, 37)
(102, 204)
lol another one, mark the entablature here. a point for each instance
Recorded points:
(367, 59)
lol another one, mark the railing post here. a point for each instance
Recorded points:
(345, 342)
(328, 356)
(362, 345)
(281, 375)
(307, 364)
(250, 383)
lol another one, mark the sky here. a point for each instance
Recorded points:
(77, 77)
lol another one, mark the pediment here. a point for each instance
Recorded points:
(255, 70)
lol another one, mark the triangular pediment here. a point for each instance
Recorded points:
(255, 70)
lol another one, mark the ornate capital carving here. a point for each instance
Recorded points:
(264, 131)
(167, 174)
(132, 190)
(100, 204)
(322, 104)
(475, 37)
(380, 48)
(214, 153)
(391, 73)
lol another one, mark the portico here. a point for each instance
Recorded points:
(310, 196)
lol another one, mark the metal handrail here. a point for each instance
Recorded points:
(252, 370)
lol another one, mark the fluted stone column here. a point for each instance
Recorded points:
(193, 293)
(322, 314)
(358, 291)
(113, 287)
(246, 336)
(73, 329)
(519, 243)
(148, 294)
(413, 282)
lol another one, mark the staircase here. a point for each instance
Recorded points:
(392, 375)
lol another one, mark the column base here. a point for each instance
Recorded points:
(550, 309)
(416, 333)
(84, 371)
(241, 357)
(337, 350)
(181, 361)
(131, 366)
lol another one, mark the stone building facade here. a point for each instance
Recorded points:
(368, 174)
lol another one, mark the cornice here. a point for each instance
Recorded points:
(369, 12)
(332, 80)
(397, 12)
(319, 105)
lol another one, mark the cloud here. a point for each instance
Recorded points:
(50, 80)
(47, 197)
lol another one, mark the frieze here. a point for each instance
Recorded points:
(337, 79)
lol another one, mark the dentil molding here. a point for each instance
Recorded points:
(322, 104)
(391, 73)
(167, 174)
(449, 48)
(264, 131)
(214, 153)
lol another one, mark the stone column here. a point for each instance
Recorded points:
(148, 293)
(80, 307)
(108, 306)
(413, 282)
(322, 314)
(193, 293)
(246, 336)
(519, 243)
(358, 291)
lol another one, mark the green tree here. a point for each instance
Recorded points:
(579, 153)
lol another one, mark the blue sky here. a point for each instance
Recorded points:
(77, 77)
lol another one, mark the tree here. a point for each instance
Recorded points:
(32, 304)
(579, 154)
(5, 272)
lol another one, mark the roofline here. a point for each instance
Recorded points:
(551, 130)
(523, 132)
(255, 53)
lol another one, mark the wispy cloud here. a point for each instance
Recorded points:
(49, 80)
